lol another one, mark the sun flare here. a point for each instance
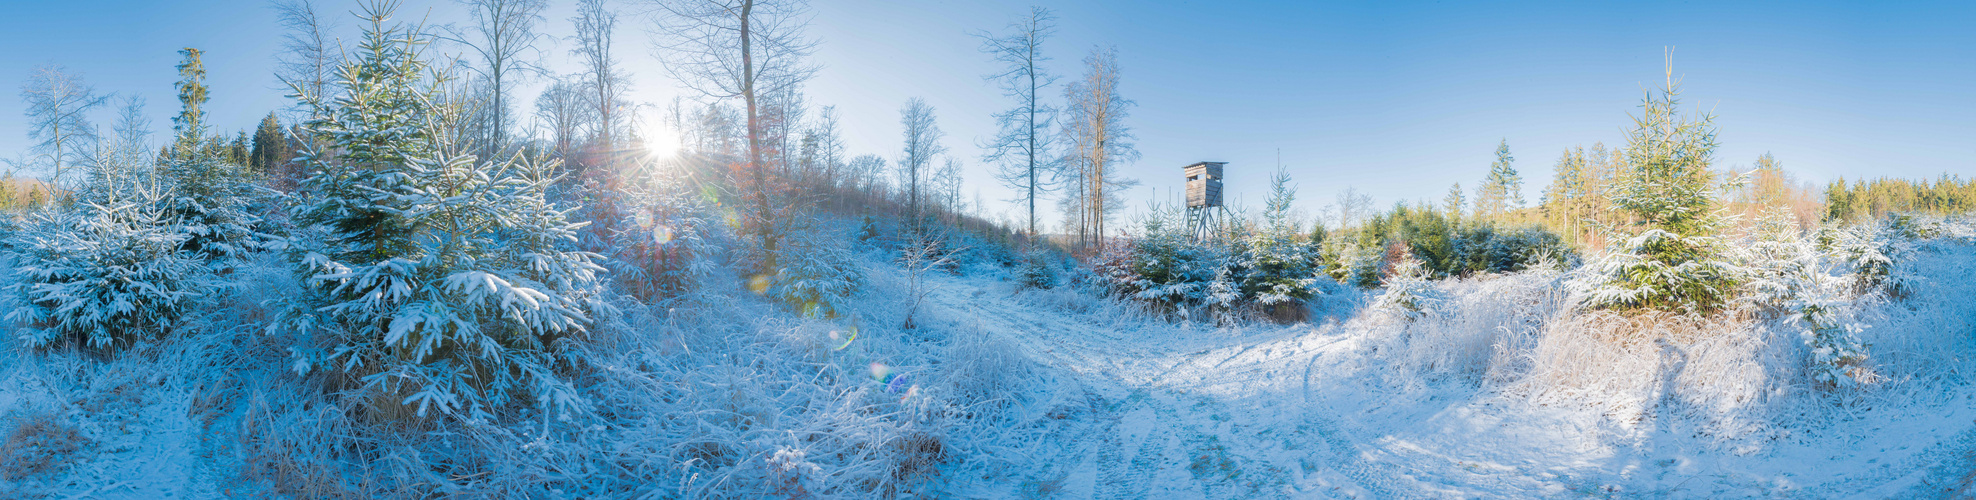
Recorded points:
(660, 140)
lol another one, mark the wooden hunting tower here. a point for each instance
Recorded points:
(1204, 184)
(1204, 208)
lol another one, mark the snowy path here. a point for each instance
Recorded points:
(1177, 413)
(1202, 418)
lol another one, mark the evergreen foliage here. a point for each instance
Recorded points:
(1787, 276)
(1276, 270)
(1863, 200)
(190, 124)
(1408, 293)
(270, 148)
(817, 277)
(103, 276)
(1671, 257)
(443, 283)
(1502, 191)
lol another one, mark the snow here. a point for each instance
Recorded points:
(1495, 392)
(1312, 411)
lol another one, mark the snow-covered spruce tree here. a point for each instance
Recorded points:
(437, 282)
(211, 197)
(1409, 294)
(1671, 259)
(661, 235)
(1279, 274)
(816, 276)
(1038, 269)
(102, 276)
(109, 270)
(1165, 268)
(1870, 252)
(1787, 277)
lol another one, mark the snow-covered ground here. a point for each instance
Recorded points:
(1473, 400)
(1317, 411)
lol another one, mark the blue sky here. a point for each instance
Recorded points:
(1398, 100)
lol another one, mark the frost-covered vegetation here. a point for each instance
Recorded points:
(401, 297)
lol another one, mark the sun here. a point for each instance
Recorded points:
(660, 140)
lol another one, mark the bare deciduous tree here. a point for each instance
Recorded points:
(502, 33)
(563, 108)
(922, 144)
(57, 106)
(1024, 137)
(745, 49)
(823, 145)
(1098, 140)
(595, 25)
(1352, 207)
(309, 52)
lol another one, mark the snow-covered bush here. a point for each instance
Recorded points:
(444, 284)
(1039, 269)
(1409, 294)
(816, 277)
(1787, 278)
(1276, 270)
(101, 276)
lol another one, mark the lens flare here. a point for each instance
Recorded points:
(880, 372)
(645, 220)
(898, 383)
(758, 284)
(844, 338)
(662, 235)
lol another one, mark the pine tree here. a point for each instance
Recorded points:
(1563, 198)
(1279, 275)
(270, 148)
(1502, 191)
(441, 281)
(209, 184)
(1671, 260)
(190, 124)
(1453, 202)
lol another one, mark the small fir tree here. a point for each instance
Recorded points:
(1671, 258)
(443, 283)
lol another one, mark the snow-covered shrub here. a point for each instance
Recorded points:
(1275, 268)
(816, 276)
(100, 276)
(1038, 270)
(444, 284)
(1787, 278)
(1409, 294)
(1666, 271)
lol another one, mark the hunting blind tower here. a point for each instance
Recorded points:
(1204, 209)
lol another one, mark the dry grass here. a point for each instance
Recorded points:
(39, 443)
